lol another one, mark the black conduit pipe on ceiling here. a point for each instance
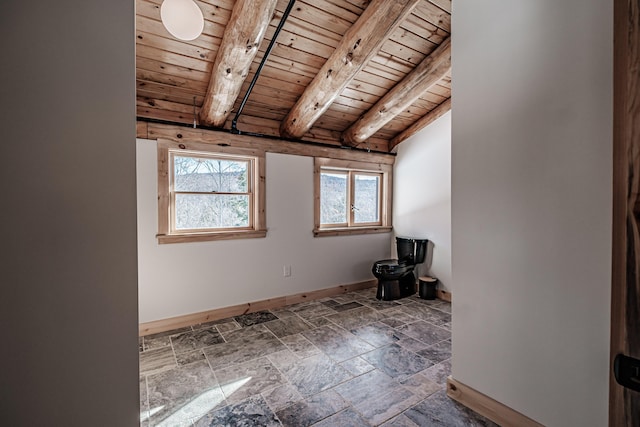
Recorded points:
(234, 122)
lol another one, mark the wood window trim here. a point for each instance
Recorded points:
(259, 223)
(386, 170)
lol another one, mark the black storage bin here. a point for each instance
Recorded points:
(427, 288)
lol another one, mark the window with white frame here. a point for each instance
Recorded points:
(209, 193)
(351, 197)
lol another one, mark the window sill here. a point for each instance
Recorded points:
(348, 231)
(205, 237)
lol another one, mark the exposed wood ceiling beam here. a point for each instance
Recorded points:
(242, 37)
(420, 124)
(401, 96)
(360, 43)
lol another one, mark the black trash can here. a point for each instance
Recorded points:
(427, 287)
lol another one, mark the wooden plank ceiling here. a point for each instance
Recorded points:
(362, 73)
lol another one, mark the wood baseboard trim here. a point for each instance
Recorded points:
(163, 325)
(486, 406)
(443, 295)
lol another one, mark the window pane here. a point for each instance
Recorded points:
(366, 198)
(197, 211)
(207, 175)
(333, 198)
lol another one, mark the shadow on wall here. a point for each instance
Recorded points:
(422, 269)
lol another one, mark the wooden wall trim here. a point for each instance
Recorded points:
(624, 404)
(486, 406)
(212, 137)
(163, 325)
(443, 295)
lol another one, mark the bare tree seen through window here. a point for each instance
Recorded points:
(211, 193)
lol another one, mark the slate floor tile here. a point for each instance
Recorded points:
(246, 379)
(425, 332)
(357, 366)
(396, 362)
(240, 333)
(311, 310)
(378, 334)
(314, 374)
(438, 373)
(251, 412)
(400, 421)
(157, 360)
(348, 360)
(190, 357)
(311, 410)
(438, 352)
(346, 418)
(355, 318)
(337, 343)
(426, 313)
(346, 306)
(420, 385)
(254, 318)
(193, 340)
(438, 409)
(383, 407)
(287, 326)
(243, 349)
(300, 346)
(282, 396)
(367, 386)
(179, 395)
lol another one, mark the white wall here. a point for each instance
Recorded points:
(422, 195)
(531, 205)
(177, 279)
(68, 311)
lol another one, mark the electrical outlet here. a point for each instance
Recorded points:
(286, 271)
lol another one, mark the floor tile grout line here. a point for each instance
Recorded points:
(307, 321)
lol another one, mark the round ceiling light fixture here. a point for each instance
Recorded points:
(182, 18)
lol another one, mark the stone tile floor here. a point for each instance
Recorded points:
(349, 360)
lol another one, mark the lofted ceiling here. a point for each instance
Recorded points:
(360, 73)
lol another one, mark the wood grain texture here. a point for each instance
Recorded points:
(242, 37)
(163, 325)
(624, 404)
(359, 44)
(432, 69)
(486, 406)
(188, 135)
(425, 121)
(171, 73)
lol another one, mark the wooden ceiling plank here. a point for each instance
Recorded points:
(170, 80)
(425, 29)
(442, 4)
(174, 71)
(183, 98)
(350, 6)
(412, 40)
(425, 121)
(401, 96)
(164, 56)
(196, 52)
(433, 14)
(151, 26)
(361, 41)
(244, 33)
(313, 16)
